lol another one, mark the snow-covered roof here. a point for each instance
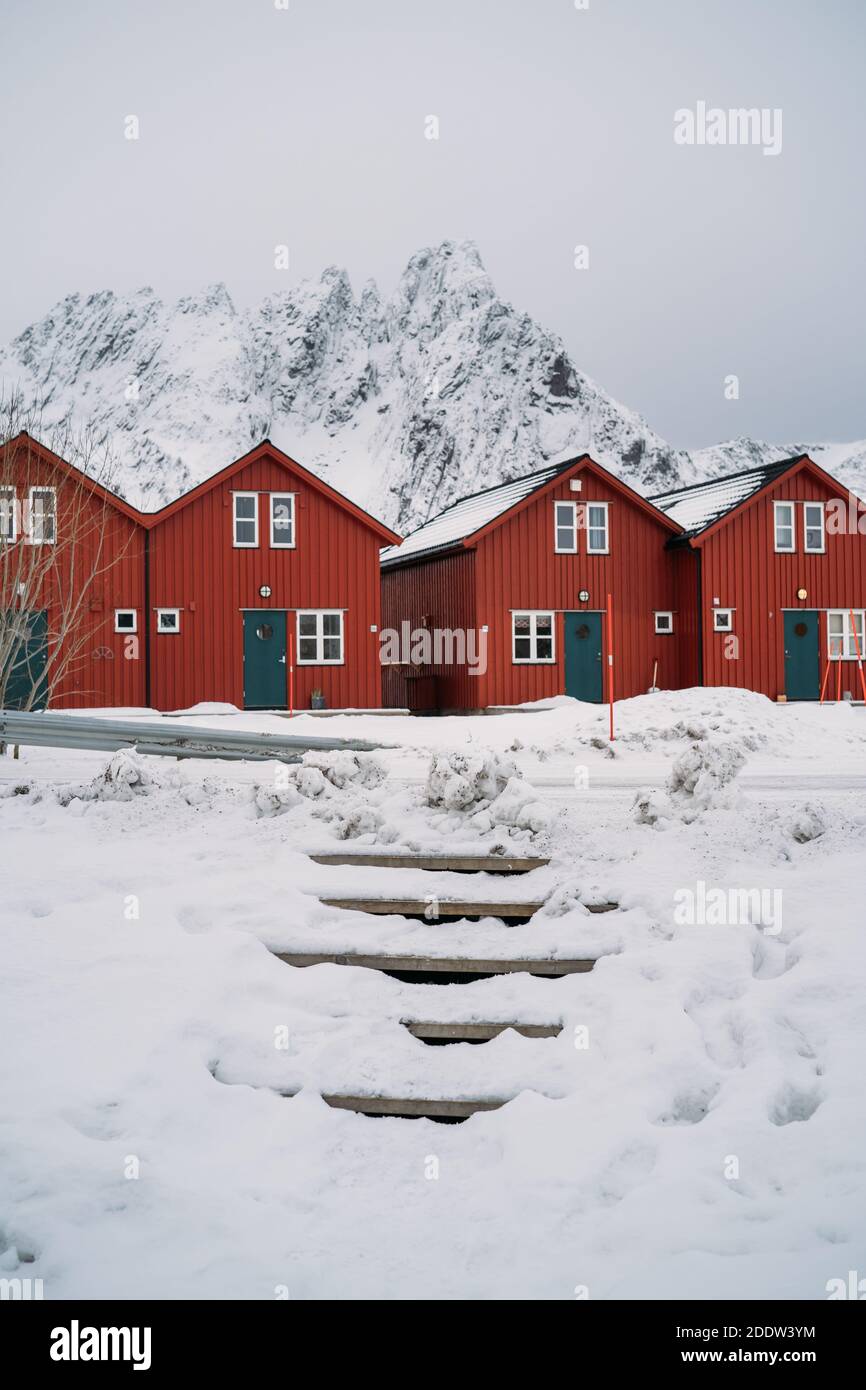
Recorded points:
(701, 505)
(471, 513)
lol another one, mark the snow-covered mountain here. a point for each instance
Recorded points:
(403, 404)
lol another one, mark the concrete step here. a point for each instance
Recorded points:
(453, 863)
(438, 969)
(441, 1033)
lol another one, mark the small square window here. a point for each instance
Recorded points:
(532, 637)
(596, 528)
(813, 527)
(168, 620)
(43, 516)
(565, 528)
(282, 521)
(783, 519)
(320, 639)
(126, 620)
(8, 510)
(723, 619)
(245, 511)
(664, 622)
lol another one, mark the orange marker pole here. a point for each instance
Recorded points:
(610, 661)
(824, 681)
(859, 653)
(839, 678)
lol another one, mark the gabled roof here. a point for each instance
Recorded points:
(700, 506)
(89, 484)
(268, 450)
(471, 517)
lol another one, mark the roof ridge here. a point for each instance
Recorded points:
(729, 477)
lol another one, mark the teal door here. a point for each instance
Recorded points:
(802, 663)
(265, 672)
(24, 676)
(584, 669)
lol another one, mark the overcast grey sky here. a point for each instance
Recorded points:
(305, 126)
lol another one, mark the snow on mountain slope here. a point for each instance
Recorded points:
(404, 404)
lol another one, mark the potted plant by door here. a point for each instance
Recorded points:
(317, 699)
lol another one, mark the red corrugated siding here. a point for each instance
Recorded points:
(436, 593)
(517, 567)
(195, 567)
(106, 668)
(685, 567)
(742, 569)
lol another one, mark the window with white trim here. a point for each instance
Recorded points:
(783, 526)
(723, 620)
(664, 622)
(8, 529)
(42, 515)
(320, 638)
(813, 528)
(168, 620)
(245, 512)
(126, 620)
(532, 637)
(596, 528)
(565, 528)
(841, 641)
(282, 513)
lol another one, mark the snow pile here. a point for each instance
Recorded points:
(489, 787)
(702, 779)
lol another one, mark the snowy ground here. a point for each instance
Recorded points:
(695, 1130)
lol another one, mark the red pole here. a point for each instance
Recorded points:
(610, 661)
(859, 653)
(291, 674)
(824, 681)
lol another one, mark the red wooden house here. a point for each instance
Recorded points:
(526, 567)
(261, 580)
(773, 566)
(261, 567)
(71, 558)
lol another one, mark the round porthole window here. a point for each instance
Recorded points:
(801, 629)
(583, 630)
(264, 632)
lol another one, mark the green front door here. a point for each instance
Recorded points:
(584, 670)
(802, 663)
(23, 681)
(265, 672)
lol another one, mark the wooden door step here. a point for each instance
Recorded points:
(453, 863)
(438, 969)
(441, 1033)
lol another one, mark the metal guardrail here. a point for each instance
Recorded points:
(40, 730)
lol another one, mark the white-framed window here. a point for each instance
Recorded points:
(42, 516)
(168, 620)
(565, 528)
(245, 519)
(723, 620)
(320, 638)
(126, 620)
(813, 528)
(664, 622)
(532, 637)
(783, 526)
(282, 515)
(841, 642)
(8, 510)
(596, 528)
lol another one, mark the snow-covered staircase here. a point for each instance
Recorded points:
(503, 925)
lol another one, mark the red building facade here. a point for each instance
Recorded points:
(257, 588)
(757, 581)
